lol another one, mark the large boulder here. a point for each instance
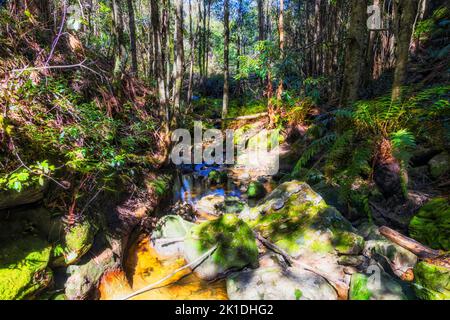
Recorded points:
(296, 218)
(432, 281)
(84, 277)
(439, 165)
(431, 226)
(271, 281)
(23, 268)
(11, 199)
(236, 246)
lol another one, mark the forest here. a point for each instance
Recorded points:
(347, 102)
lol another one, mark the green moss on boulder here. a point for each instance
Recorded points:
(294, 217)
(377, 286)
(78, 240)
(217, 177)
(23, 268)
(431, 226)
(236, 245)
(256, 190)
(432, 282)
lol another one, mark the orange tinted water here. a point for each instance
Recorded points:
(144, 266)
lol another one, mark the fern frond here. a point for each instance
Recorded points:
(315, 147)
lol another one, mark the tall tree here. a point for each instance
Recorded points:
(226, 44)
(119, 41)
(179, 55)
(261, 21)
(405, 17)
(354, 57)
(132, 26)
(281, 44)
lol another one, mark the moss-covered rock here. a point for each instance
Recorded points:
(23, 268)
(12, 198)
(236, 246)
(377, 286)
(78, 239)
(431, 226)
(256, 190)
(294, 217)
(439, 165)
(231, 205)
(217, 177)
(432, 281)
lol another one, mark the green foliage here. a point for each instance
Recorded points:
(348, 151)
(431, 225)
(26, 177)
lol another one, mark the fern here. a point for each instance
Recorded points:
(315, 147)
(403, 142)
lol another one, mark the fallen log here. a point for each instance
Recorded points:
(249, 117)
(420, 250)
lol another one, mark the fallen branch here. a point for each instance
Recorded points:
(249, 117)
(194, 264)
(273, 247)
(37, 173)
(68, 66)
(340, 287)
(412, 245)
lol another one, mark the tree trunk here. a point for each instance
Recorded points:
(354, 58)
(406, 13)
(120, 49)
(192, 58)
(226, 42)
(179, 60)
(132, 26)
(281, 43)
(261, 21)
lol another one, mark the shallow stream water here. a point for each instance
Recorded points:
(143, 265)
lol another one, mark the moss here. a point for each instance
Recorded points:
(431, 225)
(431, 282)
(316, 226)
(77, 241)
(23, 268)
(347, 242)
(217, 177)
(256, 190)
(236, 245)
(358, 287)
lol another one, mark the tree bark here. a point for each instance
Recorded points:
(120, 49)
(226, 71)
(412, 245)
(354, 58)
(132, 26)
(261, 21)
(281, 43)
(179, 52)
(406, 13)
